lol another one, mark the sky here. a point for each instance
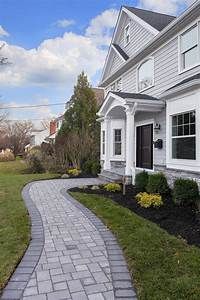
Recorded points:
(49, 42)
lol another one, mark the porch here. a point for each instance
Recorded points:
(127, 134)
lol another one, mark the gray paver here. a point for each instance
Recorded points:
(74, 255)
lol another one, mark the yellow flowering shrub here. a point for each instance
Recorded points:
(147, 200)
(112, 187)
(74, 172)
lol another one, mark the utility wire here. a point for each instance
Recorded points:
(31, 106)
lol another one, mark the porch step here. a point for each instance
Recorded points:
(111, 176)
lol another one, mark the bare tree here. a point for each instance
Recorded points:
(18, 135)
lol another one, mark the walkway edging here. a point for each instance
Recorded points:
(121, 278)
(20, 278)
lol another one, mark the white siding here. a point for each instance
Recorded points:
(117, 61)
(139, 37)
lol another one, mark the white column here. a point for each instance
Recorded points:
(107, 122)
(130, 141)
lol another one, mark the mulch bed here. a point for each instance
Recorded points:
(182, 222)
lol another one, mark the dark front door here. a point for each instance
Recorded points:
(144, 147)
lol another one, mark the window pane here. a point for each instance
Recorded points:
(186, 130)
(192, 129)
(192, 117)
(117, 148)
(180, 130)
(180, 119)
(184, 148)
(189, 39)
(117, 135)
(186, 118)
(174, 120)
(191, 57)
(174, 131)
(146, 74)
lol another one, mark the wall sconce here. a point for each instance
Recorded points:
(157, 127)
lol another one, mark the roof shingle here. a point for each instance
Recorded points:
(157, 20)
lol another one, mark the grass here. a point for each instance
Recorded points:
(162, 266)
(14, 220)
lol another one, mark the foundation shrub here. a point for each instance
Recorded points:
(141, 180)
(157, 184)
(185, 192)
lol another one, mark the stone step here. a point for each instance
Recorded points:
(110, 176)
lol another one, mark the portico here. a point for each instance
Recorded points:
(119, 134)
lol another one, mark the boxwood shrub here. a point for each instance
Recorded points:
(185, 191)
(141, 180)
(157, 184)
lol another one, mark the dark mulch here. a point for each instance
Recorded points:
(179, 221)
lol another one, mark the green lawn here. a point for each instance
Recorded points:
(14, 220)
(162, 266)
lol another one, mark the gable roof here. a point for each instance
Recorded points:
(157, 20)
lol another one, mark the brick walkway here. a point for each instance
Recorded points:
(80, 258)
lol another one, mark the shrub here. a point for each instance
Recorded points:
(74, 172)
(91, 167)
(147, 200)
(6, 155)
(157, 184)
(185, 191)
(141, 180)
(35, 164)
(112, 187)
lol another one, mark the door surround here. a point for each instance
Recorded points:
(140, 124)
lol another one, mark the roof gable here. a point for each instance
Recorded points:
(157, 20)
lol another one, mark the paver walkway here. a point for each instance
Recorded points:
(80, 257)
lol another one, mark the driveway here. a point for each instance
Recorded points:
(72, 255)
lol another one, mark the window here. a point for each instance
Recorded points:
(119, 85)
(146, 74)
(183, 136)
(127, 35)
(117, 142)
(103, 142)
(189, 48)
(116, 86)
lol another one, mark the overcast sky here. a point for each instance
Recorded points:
(49, 42)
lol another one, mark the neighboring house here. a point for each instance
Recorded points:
(55, 126)
(150, 118)
(38, 136)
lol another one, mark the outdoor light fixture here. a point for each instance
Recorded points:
(157, 127)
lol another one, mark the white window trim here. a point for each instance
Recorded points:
(122, 156)
(137, 74)
(125, 43)
(184, 136)
(182, 70)
(179, 108)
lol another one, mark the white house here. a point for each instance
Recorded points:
(150, 118)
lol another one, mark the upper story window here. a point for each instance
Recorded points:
(189, 48)
(127, 35)
(146, 74)
(116, 86)
(184, 136)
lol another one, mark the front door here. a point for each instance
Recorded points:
(144, 146)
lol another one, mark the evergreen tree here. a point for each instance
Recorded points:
(80, 131)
